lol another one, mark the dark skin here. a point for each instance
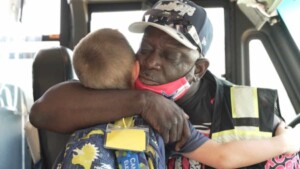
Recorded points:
(69, 106)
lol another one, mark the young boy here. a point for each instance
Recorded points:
(105, 60)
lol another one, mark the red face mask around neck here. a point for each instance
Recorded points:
(173, 90)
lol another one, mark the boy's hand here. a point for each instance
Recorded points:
(291, 136)
(280, 128)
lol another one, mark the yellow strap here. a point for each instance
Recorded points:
(125, 122)
(93, 132)
(150, 162)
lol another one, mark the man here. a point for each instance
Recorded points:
(171, 53)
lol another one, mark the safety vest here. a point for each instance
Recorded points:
(241, 113)
(244, 113)
(249, 114)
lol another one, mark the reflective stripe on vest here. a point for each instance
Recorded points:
(245, 115)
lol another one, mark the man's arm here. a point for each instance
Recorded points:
(69, 106)
(237, 154)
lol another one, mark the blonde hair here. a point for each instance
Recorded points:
(104, 59)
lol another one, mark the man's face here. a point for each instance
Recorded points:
(163, 59)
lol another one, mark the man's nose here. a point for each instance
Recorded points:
(153, 61)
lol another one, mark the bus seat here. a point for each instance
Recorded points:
(50, 66)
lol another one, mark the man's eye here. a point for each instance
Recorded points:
(172, 56)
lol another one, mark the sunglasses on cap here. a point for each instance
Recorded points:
(175, 21)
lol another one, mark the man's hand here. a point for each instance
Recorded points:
(166, 118)
(185, 136)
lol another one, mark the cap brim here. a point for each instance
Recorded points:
(139, 27)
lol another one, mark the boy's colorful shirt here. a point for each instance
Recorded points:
(85, 150)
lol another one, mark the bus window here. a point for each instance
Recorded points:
(262, 67)
(288, 10)
(260, 63)
(21, 36)
(122, 20)
(216, 53)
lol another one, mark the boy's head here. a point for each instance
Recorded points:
(104, 59)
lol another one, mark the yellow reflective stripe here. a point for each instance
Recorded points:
(240, 134)
(255, 102)
(246, 128)
(244, 102)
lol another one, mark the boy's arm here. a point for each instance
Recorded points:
(68, 106)
(237, 154)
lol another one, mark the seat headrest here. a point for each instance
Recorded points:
(51, 66)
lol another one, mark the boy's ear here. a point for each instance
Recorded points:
(201, 67)
(135, 70)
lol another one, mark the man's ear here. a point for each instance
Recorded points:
(201, 67)
(135, 70)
